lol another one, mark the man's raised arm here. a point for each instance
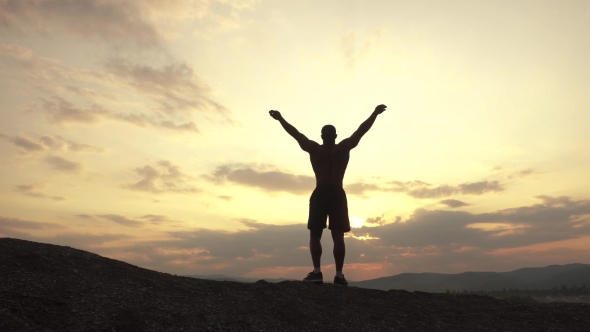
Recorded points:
(303, 141)
(351, 142)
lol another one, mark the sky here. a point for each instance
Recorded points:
(139, 130)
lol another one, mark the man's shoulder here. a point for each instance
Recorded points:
(323, 150)
(312, 146)
(343, 145)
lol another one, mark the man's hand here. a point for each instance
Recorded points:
(380, 109)
(275, 114)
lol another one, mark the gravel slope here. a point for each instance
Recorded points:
(54, 288)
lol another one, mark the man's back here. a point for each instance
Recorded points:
(329, 164)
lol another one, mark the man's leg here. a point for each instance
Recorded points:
(339, 249)
(315, 246)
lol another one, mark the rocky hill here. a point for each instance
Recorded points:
(53, 288)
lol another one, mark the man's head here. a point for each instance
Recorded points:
(329, 133)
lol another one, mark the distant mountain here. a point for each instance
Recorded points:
(539, 277)
(532, 277)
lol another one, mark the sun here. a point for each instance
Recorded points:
(356, 222)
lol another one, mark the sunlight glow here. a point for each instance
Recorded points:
(356, 222)
(362, 237)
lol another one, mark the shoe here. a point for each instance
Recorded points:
(316, 278)
(340, 282)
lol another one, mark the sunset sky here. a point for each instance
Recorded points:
(139, 130)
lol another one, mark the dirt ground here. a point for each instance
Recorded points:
(53, 288)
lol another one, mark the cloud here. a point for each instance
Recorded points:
(557, 201)
(267, 180)
(169, 89)
(272, 180)
(132, 222)
(110, 21)
(553, 220)
(360, 188)
(139, 23)
(240, 4)
(45, 143)
(88, 241)
(163, 177)
(63, 112)
(171, 94)
(37, 68)
(156, 218)
(348, 47)
(521, 174)
(429, 240)
(220, 17)
(34, 190)
(353, 50)
(74, 146)
(434, 240)
(225, 198)
(517, 174)
(140, 221)
(453, 203)
(17, 227)
(473, 188)
(24, 143)
(174, 85)
(50, 76)
(208, 250)
(121, 220)
(375, 221)
(27, 224)
(63, 165)
(423, 190)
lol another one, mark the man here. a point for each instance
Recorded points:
(329, 162)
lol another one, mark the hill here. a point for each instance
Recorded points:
(54, 288)
(541, 278)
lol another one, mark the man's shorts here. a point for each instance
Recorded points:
(328, 200)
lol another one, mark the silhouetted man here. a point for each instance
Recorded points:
(329, 162)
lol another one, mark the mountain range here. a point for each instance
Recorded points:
(546, 277)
